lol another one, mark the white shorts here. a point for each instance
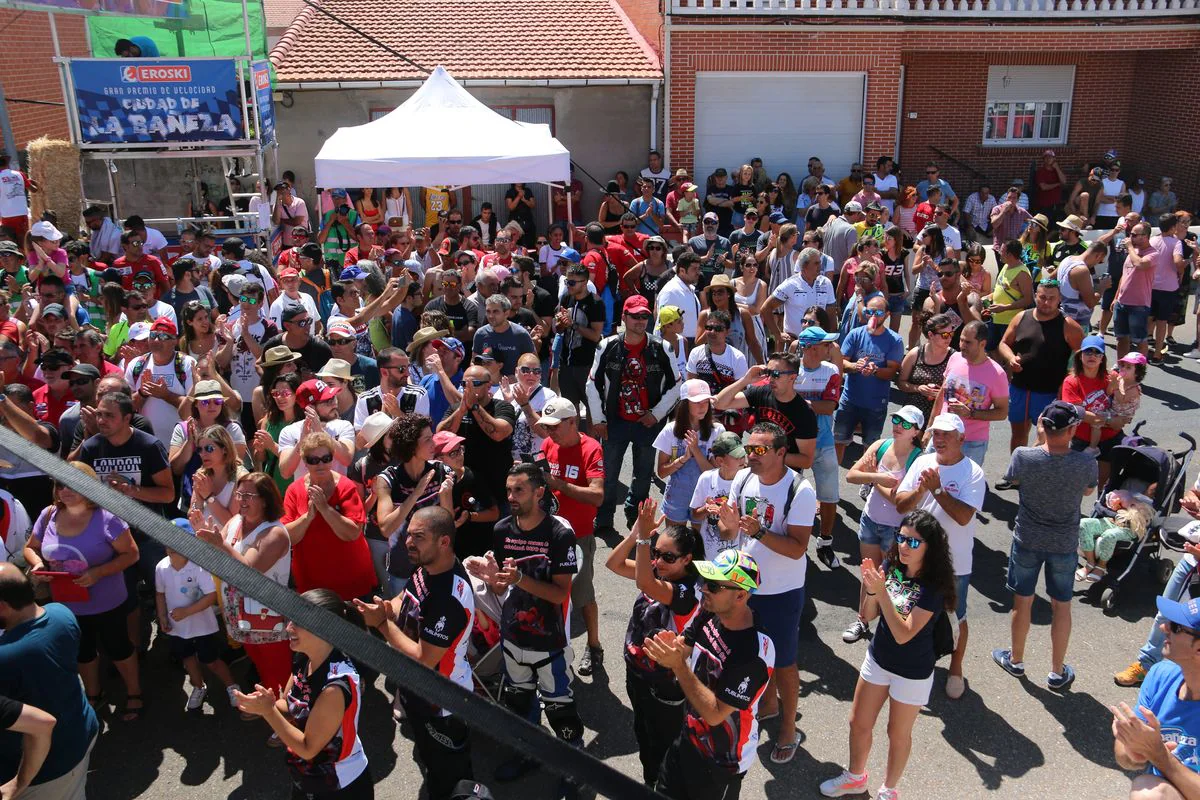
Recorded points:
(903, 690)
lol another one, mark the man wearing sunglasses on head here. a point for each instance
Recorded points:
(136, 260)
(953, 296)
(775, 508)
(461, 311)
(298, 337)
(161, 379)
(393, 394)
(722, 661)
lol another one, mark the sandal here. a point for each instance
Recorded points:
(767, 717)
(133, 714)
(1081, 574)
(783, 753)
(1096, 575)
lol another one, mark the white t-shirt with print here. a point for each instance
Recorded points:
(712, 487)
(182, 588)
(163, 415)
(731, 364)
(283, 301)
(777, 573)
(339, 429)
(964, 482)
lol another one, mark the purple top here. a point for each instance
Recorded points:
(76, 554)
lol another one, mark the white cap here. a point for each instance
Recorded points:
(556, 410)
(912, 414)
(948, 422)
(139, 331)
(853, 207)
(45, 230)
(695, 391)
(374, 427)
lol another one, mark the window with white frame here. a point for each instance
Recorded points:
(1028, 105)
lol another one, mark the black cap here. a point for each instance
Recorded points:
(85, 371)
(1060, 415)
(290, 312)
(56, 357)
(312, 250)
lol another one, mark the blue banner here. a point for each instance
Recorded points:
(152, 101)
(266, 109)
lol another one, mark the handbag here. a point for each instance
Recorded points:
(945, 634)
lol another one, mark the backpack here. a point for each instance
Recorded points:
(865, 490)
(139, 366)
(945, 634)
(325, 302)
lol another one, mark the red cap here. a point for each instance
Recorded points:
(445, 441)
(289, 272)
(636, 303)
(164, 325)
(315, 391)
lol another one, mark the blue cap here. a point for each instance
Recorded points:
(183, 525)
(815, 335)
(570, 254)
(777, 218)
(351, 274)
(1185, 614)
(1093, 343)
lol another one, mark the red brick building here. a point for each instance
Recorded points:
(980, 86)
(29, 73)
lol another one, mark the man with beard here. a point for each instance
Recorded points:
(429, 622)
(318, 401)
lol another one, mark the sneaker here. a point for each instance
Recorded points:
(231, 693)
(885, 793)
(956, 686)
(844, 784)
(1004, 659)
(514, 768)
(857, 631)
(1131, 676)
(1194, 352)
(196, 698)
(826, 555)
(592, 657)
(1060, 683)
(1004, 486)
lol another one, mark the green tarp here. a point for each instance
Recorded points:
(211, 28)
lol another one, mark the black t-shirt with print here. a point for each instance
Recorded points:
(402, 487)
(548, 550)
(796, 417)
(735, 666)
(915, 658)
(577, 350)
(314, 355)
(136, 461)
(462, 315)
(490, 459)
(438, 609)
(648, 618)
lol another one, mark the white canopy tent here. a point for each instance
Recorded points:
(442, 136)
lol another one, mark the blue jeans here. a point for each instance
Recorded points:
(622, 434)
(1177, 589)
(975, 451)
(848, 416)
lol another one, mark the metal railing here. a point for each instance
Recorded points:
(958, 9)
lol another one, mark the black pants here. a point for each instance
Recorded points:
(687, 775)
(443, 745)
(361, 788)
(656, 724)
(572, 384)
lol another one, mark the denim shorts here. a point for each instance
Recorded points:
(964, 586)
(1163, 304)
(976, 451)
(995, 334)
(825, 474)
(896, 302)
(1131, 322)
(1026, 406)
(871, 532)
(848, 416)
(778, 616)
(1025, 564)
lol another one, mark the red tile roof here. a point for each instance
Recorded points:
(474, 40)
(280, 13)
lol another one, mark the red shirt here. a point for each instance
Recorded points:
(494, 260)
(577, 466)
(623, 253)
(149, 264)
(597, 265)
(1046, 198)
(923, 215)
(1092, 394)
(633, 397)
(49, 408)
(321, 560)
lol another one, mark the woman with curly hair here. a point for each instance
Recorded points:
(908, 591)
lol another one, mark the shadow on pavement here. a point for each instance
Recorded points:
(1086, 722)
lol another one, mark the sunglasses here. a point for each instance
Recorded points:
(142, 285)
(715, 328)
(80, 381)
(212, 401)
(944, 334)
(1175, 627)
(209, 449)
(710, 224)
(571, 282)
(655, 248)
(450, 284)
(135, 243)
(281, 392)
(628, 227)
(313, 461)
(638, 316)
(665, 557)
(337, 341)
(245, 495)
(875, 312)
(912, 542)
(1049, 283)
(466, 262)
(931, 172)
(456, 452)
(902, 422)
(948, 273)
(757, 449)
(542, 243)
(717, 586)
(529, 370)
(303, 323)
(161, 336)
(250, 301)
(476, 383)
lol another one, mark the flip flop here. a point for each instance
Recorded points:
(767, 717)
(133, 714)
(783, 753)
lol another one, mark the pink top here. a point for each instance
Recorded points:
(976, 385)
(1136, 283)
(1166, 276)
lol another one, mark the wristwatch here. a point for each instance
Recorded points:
(937, 491)
(642, 543)
(761, 532)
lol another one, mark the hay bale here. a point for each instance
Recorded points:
(54, 164)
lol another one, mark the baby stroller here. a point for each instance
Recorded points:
(1140, 466)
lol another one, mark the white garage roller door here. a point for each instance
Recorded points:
(782, 117)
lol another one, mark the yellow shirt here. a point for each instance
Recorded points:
(437, 199)
(1006, 292)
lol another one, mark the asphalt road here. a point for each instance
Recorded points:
(1004, 738)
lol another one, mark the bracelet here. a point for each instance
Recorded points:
(642, 543)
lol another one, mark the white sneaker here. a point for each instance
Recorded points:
(230, 692)
(196, 698)
(885, 793)
(844, 784)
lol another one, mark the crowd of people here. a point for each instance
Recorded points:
(422, 428)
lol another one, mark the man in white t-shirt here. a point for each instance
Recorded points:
(161, 379)
(952, 487)
(886, 184)
(798, 294)
(680, 292)
(319, 402)
(289, 283)
(155, 241)
(775, 508)
(657, 172)
(716, 362)
(14, 204)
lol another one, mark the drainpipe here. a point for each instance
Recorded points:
(899, 117)
(654, 118)
(667, 79)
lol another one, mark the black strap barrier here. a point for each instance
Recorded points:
(486, 717)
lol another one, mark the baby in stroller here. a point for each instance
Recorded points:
(1098, 537)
